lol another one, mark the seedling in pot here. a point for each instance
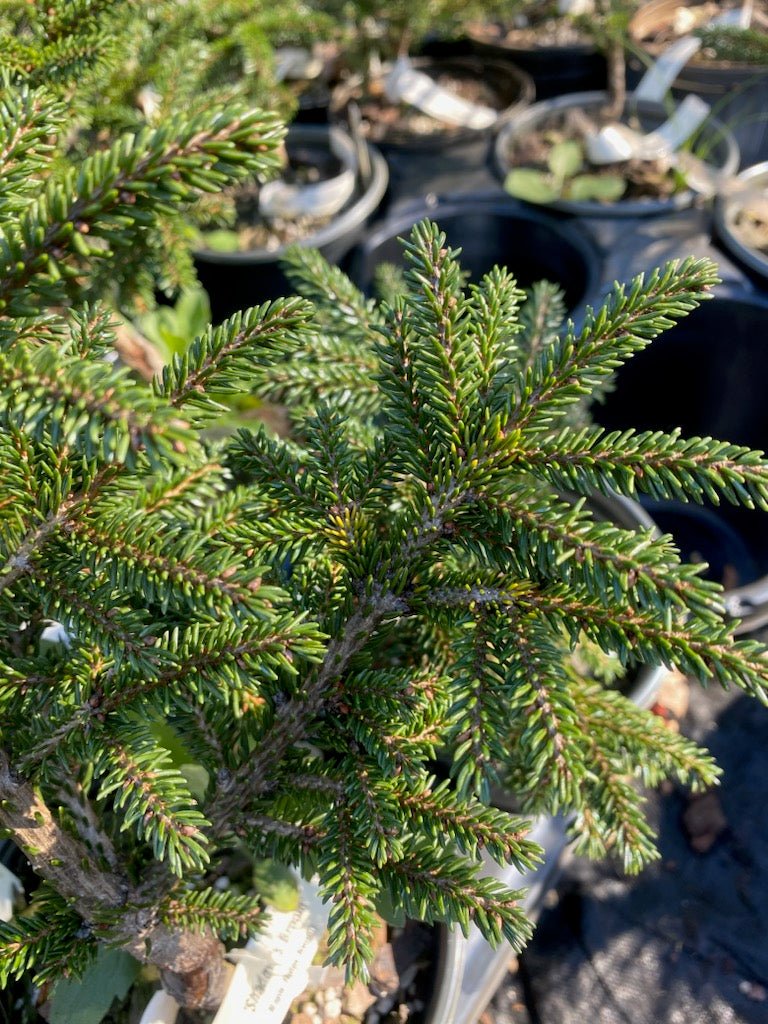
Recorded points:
(565, 177)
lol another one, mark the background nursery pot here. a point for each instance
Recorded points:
(713, 139)
(236, 279)
(707, 376)
(549, 48)
(735, 89)
(533, 245)
(423, 154)
(748, 248)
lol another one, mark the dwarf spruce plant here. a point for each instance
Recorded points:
(322, 620)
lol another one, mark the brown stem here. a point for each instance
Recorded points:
(294, 716)
(617, 80)
(235, 792)
(191, 964)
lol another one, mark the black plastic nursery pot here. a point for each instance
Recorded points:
(533, 245)
(707, 376)
(754, 262)
(555, 69)
(714, 142)
(432, 161)
(239, 279)
(737, 92)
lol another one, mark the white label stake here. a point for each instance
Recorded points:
(273, 968)
(10, 889)
(405, 84)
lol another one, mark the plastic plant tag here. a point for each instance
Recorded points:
(405, 84)
(659, 77)
(274, 967)
(676, 130)
(575, 7)
(10, 889)
(320, 199)
(618, 142)
(161, 1009)
(294, 63)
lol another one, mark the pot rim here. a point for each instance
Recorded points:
(498, 204)
(343, 92)
(354, 215)
(725, 213)
(622, 208)
(656, 11)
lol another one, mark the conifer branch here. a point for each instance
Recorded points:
(21, 561)
(122, 187)
(654, 463)
(628, 321)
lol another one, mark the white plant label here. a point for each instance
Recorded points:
(574, 7)
(659, 77)
(274, 967)
(618, 142)
(294, 63)
(161, 1009)
(10, 889)
(405, 84)
(321, 199)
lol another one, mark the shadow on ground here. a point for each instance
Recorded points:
(686, 942)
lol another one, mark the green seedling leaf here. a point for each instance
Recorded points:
(385, 907)
(566, 159)
(86, 1000)
(221, 240)
(197, 779)
(276, 884)
(532, 185)
(604, 188)
(172, 329)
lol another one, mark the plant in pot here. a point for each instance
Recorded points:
(741, 221)
(728, 68)
(181, 58)
(542, 38)
(609, 154)
(312, 619)
(423, 111)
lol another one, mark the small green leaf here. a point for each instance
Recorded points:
(532, 185)
(385, 907)
(86, 1000)
(566, 159)
(197, 780)
(221, 240)
(605, 188)
(276, 884)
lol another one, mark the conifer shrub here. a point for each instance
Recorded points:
(315, 619)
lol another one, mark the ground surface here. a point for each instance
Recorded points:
(687, 941)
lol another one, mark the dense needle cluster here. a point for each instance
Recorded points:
(351, 632)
